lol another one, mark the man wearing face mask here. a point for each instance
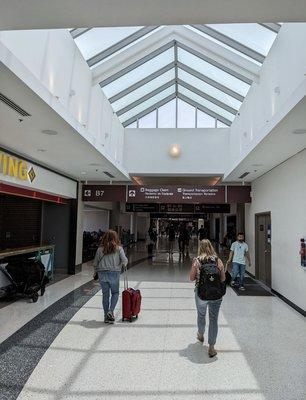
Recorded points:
(239, 254)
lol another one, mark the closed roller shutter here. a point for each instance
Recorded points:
(20, 221)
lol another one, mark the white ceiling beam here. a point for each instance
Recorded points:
(38, 14)
(78, 32)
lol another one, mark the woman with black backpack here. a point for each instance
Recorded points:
(208, 272)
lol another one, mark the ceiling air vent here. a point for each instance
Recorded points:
(243, 175)
(108, 174)
(13, 105)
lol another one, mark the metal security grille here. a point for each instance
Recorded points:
(20, 221)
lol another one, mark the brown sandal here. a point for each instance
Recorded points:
(200, 337)
(211, 352)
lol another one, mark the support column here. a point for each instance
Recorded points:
(79, 215)
(240, 217)
(114, 216)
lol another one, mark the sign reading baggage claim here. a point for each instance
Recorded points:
(16, 168)
(175, 194)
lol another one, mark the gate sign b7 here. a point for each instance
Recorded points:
(104, 193)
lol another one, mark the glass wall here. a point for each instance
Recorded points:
(177, 114)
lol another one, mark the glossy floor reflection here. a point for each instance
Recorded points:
(261, 347)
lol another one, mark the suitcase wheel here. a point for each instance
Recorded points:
(35, 297)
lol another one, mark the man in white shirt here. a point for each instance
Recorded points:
(239, 254)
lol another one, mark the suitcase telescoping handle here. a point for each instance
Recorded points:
(125, 277)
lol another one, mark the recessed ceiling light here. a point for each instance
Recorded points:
(49, 132)
(83, 173)
(299, 131)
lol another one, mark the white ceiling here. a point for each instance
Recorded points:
(29, 14)
(276, 148)
(66, 152)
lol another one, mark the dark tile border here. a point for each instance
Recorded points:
(22, 351)
(294, 306)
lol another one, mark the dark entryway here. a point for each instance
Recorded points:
(263, 247)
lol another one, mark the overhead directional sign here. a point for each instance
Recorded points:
(170, 198)
(176, 194)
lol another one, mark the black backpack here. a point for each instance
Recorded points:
(210, 286)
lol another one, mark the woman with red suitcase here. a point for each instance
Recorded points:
(108, 262)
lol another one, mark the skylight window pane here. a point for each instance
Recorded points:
(98, 39)
(213, 72)
(222, 44)
(132, 125)
(150, 102)
(253, 36)
(204, 120)
(143, 90)
(208, 89)
(127, 46)
(167, 115)
(139, 73)
(148, 121)
(221, 124)
(211, 106)
(186, 115)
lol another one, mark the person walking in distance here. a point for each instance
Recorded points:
(238, 255)
(202, 233)
(208, 272)
(109, 260)
(171, 235)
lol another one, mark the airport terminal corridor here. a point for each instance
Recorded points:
(158, 356)
(166, 137)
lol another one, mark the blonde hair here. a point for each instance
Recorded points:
(206, 250)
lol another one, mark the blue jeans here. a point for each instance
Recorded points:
(109, 281)
(238, 269)
(213, 308)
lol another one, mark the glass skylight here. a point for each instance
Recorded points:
(204, 91)
(98, 39)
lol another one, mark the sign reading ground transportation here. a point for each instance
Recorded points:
(104, 193)
(176, 194)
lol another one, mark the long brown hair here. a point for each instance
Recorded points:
(110, 242)
(206, 250)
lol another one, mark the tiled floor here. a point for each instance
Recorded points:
(261, 348)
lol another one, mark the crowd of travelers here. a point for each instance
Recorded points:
(207, 271)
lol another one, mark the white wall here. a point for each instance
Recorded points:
(55, 61)
(93, 220)
(284, 68)
(282, 191)
(204, 151)
(143, 225)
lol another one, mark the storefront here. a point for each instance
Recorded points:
(37, 213)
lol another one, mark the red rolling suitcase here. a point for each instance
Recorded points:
(131, 301)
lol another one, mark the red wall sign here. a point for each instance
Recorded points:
(104, 193)
(176, 194)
